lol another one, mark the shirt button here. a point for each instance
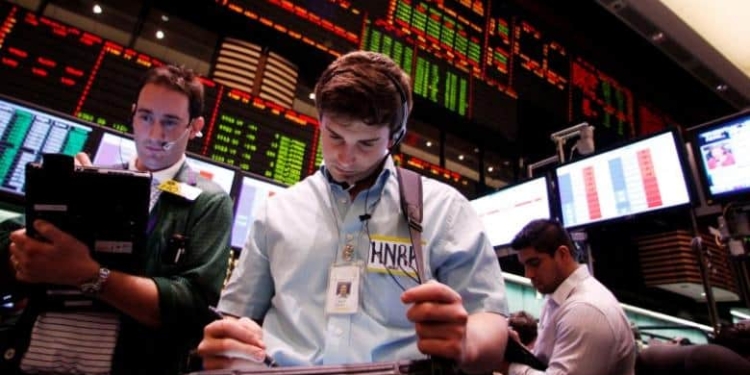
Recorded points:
(9, 354)
(349, 237)
(338, 331)
(344, 201)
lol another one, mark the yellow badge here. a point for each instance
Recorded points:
(181, 189)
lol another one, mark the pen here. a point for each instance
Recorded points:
(267, 360)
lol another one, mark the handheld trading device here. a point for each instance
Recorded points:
(106, 209)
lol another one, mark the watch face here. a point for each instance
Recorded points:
(95, 286)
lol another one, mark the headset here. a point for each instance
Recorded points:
(404, 116)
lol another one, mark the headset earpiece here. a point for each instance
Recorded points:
(404, 114)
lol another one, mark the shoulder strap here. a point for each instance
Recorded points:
(410, 189)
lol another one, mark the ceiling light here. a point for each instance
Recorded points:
(97, 9)
(490, 169)
(165, 18)
(311, 96)
(428, 144)
(159, 34)
(722, 87)
(460, 157)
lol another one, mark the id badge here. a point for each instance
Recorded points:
(342, 296)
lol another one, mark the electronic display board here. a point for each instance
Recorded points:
(332, 26)
(505, 212)
(463, 55)
(253, 192)
(26, 133)
(45, 62)
(722, 154)
(641, 176)
(261, 137)
(466, 186)
(602, 101)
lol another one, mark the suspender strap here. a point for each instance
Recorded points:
(410, 189)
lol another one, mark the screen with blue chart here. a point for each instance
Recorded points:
(253, 192)
(641, 176)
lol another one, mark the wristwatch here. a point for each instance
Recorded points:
(94, 286)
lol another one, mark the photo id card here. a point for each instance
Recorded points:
(342, 296)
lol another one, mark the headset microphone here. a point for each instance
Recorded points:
(166, 146)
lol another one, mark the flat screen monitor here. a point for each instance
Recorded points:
(116, 149)
(252, 193)
(223, 176)
(722, 155)
(642, 176)
(505, 212)
(27, 132)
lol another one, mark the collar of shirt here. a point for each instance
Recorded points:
(388, 169)
(164, 174)
(566, 287)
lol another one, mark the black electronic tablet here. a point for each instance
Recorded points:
(107, 209)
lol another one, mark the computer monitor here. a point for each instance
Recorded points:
(505, 212)
(722, 154)
(222, 175)
(253, 191)
(644, 175)
(116, 149)
(27, 132)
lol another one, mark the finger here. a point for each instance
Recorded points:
(439, 331)
(18, 235)
(244, 331)
(432, 291)
(83, 159)
(437, 312)
(51, 232)
(441, 348)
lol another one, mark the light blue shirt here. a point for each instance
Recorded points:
(282, 275)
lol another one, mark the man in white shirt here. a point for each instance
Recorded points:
(582, 329)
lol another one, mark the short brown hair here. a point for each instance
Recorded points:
(361, 85)
(179, 79)
(526, 326)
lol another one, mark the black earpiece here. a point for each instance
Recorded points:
(398, 136)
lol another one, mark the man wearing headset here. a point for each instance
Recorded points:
(154, 317)
(343, 224)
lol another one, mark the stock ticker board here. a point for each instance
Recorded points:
(471, 57)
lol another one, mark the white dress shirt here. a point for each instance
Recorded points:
(583, 331)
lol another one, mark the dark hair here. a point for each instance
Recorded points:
(544, 235)
(179, 79)
(525, 324)
(361, 85)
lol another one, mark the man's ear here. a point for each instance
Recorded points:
(196, 126)
(564, 251)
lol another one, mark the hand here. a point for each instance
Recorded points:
(440, 320)
(231, 343)
(514, 335)
(60, 260)
(82, 159)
